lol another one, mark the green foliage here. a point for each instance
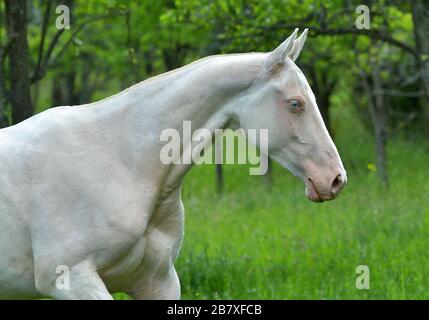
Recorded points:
(114, 44)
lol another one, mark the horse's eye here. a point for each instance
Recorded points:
(295, 105)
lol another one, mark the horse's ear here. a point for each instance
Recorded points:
(277, 58)
(297, 46)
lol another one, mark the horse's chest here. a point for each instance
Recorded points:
(155, 251)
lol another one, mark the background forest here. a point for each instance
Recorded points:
(251, 237)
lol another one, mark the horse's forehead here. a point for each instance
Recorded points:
(293, 78)
(295, 82)
(296, 75)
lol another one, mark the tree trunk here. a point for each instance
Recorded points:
(421, 32)
(219, 178)
(378, 111)
(57, 98)
(323, 101)
(20, 94)
(379, 119)
(218, 149)
(323, 86)
(3, 101)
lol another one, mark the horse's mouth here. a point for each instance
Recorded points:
(311, 191)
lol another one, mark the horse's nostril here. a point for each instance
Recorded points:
(337, 184)
(336, 181)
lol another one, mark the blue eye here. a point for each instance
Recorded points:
(295, 105)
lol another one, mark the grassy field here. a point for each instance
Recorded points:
(256, 243)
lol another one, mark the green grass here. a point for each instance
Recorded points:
(256, 243)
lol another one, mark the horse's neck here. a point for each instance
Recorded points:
(195, 92)
(198, 93)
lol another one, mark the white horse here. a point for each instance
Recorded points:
(84, 196)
